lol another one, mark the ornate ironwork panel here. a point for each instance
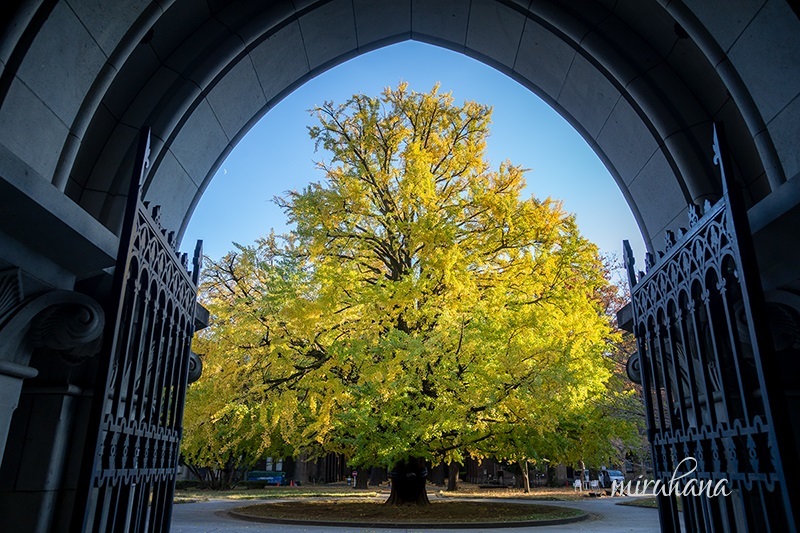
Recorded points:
(709, 384)
(129, 478)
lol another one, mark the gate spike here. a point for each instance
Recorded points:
(669, 238)
(694, 214)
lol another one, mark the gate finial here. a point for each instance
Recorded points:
(629, 262)
(721, 157)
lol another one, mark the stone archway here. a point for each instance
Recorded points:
(640, 83)
(640, 80)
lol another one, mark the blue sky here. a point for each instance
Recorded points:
(277, 155)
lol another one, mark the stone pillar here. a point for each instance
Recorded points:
(11, 376)
(36, 476)
(42, 337)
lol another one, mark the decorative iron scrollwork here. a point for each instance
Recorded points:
(130, 474)
(700, 364)
(634, 369)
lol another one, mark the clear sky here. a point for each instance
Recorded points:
(277, 155)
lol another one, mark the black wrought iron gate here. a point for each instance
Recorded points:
(710, 390)
(129, 472)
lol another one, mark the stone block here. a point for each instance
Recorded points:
(115, 156)
(173, 189)
(575, 19)
(767, 57)
(181, 19)
(108, 20)
(758, 187)
(691, 151)
(692, 65)
(280, 60)
(138, 111)
(92, 202)
(626, 141)
(30, 130)
(62, 80)
(92, 145)
(237, 97)
(543, 58)
(172, 109)
(622, 52)
(199, 142)
(654, 25)
(588, 95)
(329, 32)
(113, 211)
(785, 132)
(666, 99)
(208, 49)
(725, 19)
(749, 160)
(251, 20)
(379, 21)
(657, 188)
(495, 31)
(443, 21)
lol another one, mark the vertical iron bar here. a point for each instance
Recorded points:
(784, 457)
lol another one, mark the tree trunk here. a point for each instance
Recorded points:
(408, 483)
(362, 478)
(452, 475)
(551, 477)
(377, 476)
(526, 480)
(437, 475)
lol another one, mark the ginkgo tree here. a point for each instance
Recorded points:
(420, 310)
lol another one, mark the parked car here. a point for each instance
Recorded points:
(268, 477)
(607, 477)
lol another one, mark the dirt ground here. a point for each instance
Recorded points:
(438, 511)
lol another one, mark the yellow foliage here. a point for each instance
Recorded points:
(421, 307)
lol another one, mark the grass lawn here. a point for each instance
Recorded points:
(311, 491)
(465, 490)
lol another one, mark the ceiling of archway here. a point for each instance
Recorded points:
(640, 86)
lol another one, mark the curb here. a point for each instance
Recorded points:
(233, 513)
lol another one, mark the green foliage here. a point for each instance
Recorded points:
(421, 308)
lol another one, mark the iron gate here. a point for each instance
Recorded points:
(129, 473)
(710, 390)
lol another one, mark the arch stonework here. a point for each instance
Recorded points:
(641, 80)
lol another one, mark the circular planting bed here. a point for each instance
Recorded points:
(437, 514)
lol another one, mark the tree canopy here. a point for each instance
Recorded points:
(420, 309)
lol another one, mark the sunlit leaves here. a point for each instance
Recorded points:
(421, 308)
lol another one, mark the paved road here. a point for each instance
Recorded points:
(607, 517)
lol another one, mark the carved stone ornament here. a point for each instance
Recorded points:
(10, 291)
(68, 322)
(195, 367)
(634, 368)
(74, 329)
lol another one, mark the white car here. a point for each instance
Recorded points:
(607, 477)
